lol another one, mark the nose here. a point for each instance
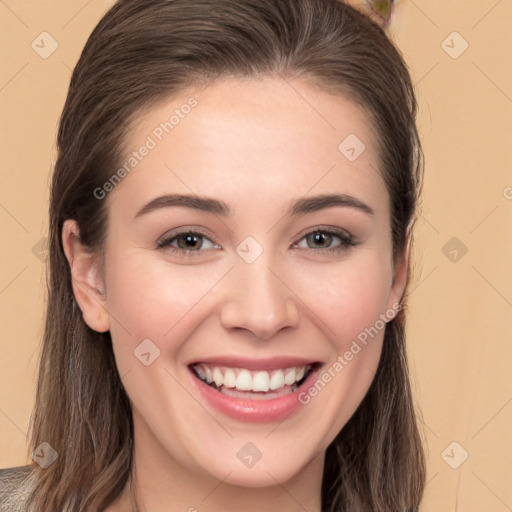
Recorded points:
(259, 300)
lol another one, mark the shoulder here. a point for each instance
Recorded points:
(10, 482)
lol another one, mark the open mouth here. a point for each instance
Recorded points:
(253, 384)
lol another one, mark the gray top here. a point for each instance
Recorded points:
(10, 480)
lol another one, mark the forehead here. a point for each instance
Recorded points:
(269, 138)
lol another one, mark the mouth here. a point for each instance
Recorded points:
(243, 383)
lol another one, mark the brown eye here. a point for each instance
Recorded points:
(320, 239)
(326, 240)
(187, 242)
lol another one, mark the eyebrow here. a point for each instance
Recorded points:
(299, 206)
(319, 202)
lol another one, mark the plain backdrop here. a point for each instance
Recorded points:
(460, 308)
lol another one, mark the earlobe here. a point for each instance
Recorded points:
(86, 277)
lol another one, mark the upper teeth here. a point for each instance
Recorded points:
(246, 380)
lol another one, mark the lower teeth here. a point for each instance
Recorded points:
(257, 395)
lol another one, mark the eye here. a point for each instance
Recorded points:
(187, 242)
(190, 242)
(326, 240)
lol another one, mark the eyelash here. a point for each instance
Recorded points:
(346, 241)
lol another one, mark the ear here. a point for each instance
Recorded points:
(400, 271)
(86, 277)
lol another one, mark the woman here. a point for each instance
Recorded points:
(230, 222)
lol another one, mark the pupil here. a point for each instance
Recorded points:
(321, 238)
(189, 241)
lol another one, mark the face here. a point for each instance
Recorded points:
(250, 246)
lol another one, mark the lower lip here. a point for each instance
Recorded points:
(255, 411)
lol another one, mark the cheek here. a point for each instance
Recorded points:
(152, 300)
(349, 300)
(347, 297)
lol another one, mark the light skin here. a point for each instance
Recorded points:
(256, 146)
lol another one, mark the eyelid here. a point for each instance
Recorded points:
(347, 239)
(341, 232)
(184, 230)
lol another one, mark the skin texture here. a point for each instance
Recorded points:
(256, 145)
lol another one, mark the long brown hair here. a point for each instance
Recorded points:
(142, 52)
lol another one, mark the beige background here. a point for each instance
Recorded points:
(460, 327)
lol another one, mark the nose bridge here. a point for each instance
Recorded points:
(258, 299)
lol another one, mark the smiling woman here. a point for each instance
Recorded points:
(227, 318)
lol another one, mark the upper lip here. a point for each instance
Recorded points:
(268, 363)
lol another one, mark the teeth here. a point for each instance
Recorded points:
(200, 372)
(229, 378)
(218, 378)
(261, 382)
(289, 376)
(277, 380)
(246, 380)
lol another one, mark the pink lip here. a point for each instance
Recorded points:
(253, 411)
(269, 363)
